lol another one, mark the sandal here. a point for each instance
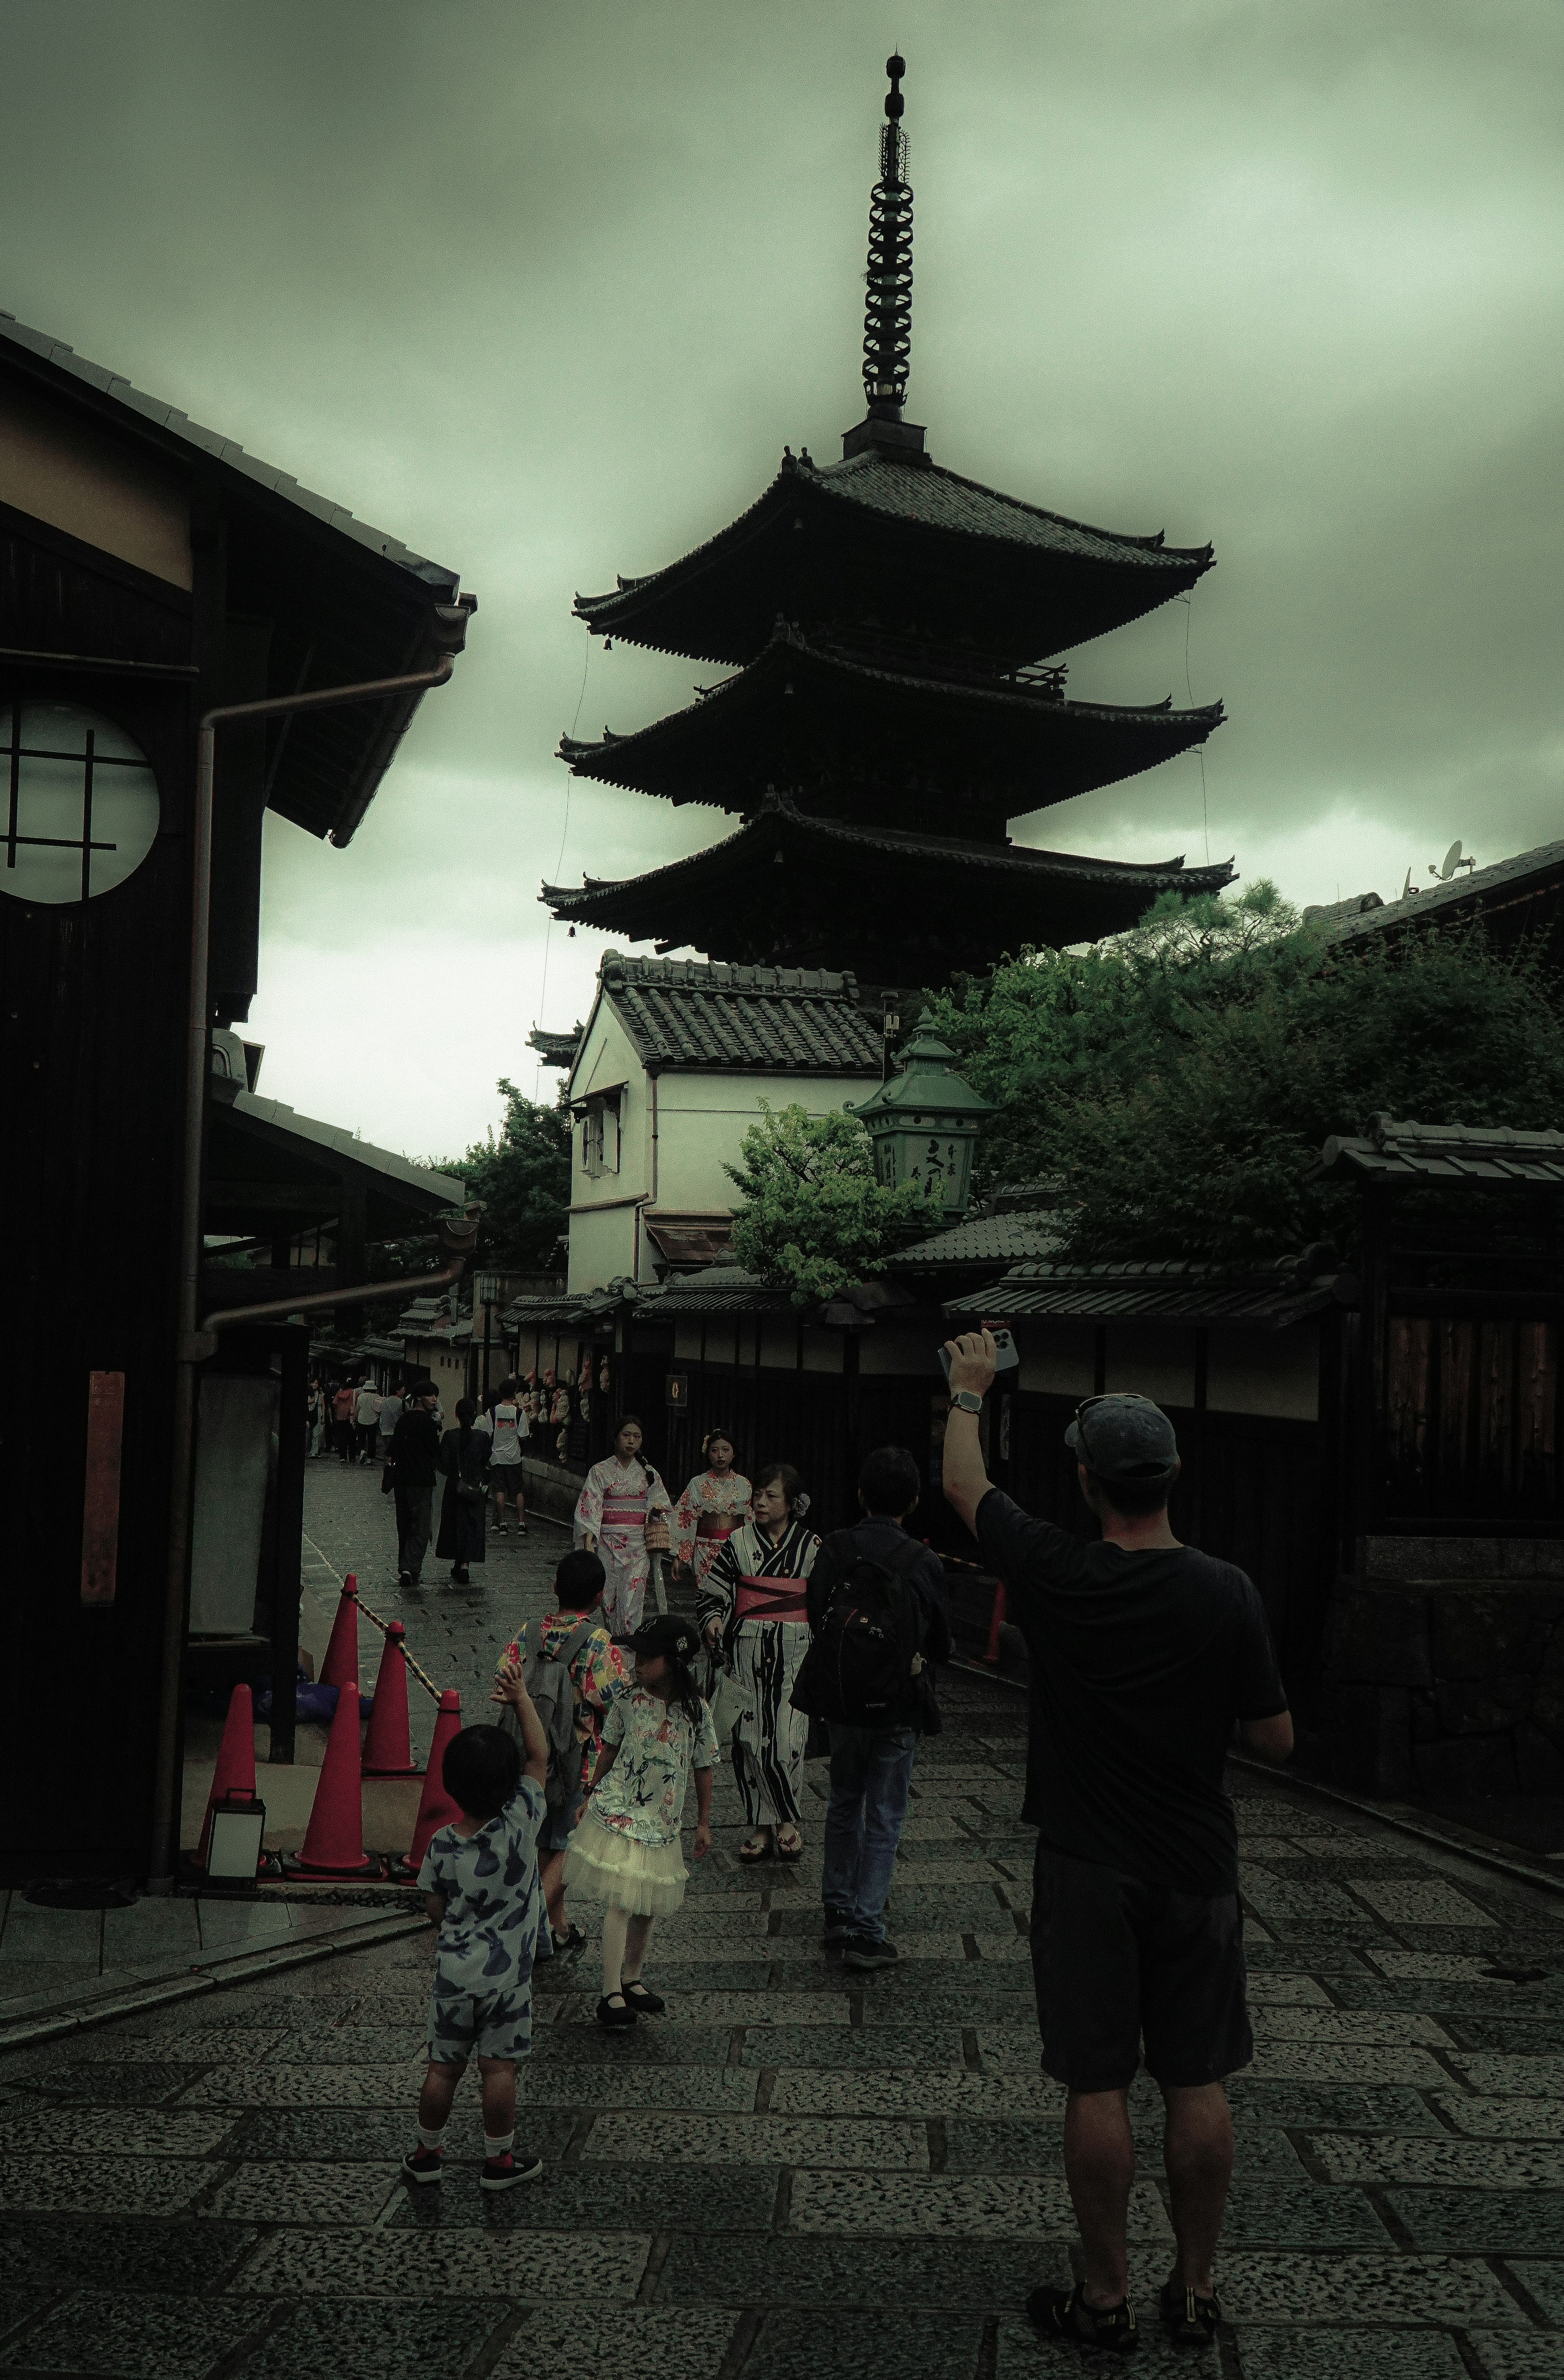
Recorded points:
(1189, 2320)
(789, 1851)
(645, 2003)
(755, 1849)
(571, 1940)
(1065, 2313)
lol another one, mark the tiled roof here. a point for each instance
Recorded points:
(984, 1239)
(1508, 880)
(943, 500)
(754, 1019)
(1266, 1298)
(721, 1289)
(1484, 1156)
(556, 1049)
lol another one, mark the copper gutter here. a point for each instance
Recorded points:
(191, 1346)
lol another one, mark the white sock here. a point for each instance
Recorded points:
(427, 2139)
(501, 2147)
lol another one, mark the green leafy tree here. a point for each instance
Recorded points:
(522, 1174)
(813, 1218)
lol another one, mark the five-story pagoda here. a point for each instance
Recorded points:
(894, 702)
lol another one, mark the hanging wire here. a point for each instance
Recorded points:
(565, 837)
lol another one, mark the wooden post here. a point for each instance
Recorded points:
(286, 1582)
(100, 1515)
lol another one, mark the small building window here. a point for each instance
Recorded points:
(599, 1135)
(79, 803)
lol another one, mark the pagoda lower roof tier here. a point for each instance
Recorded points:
(877, 741)
(901, 545)
(792, 891)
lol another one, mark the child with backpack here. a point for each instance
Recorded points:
(625, 1850)
(876, 1619)
(479, 1882)
(573, 1670)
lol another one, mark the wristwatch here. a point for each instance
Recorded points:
(965, 1401)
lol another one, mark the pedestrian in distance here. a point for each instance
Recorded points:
(753, 1613)
(1146, 1654)
(462, 1461)
(343, 1397)
(878, 1617)
(320, 1415)
(391, 1410)
(479, 1883)
(510, 1428)
(715, 1503)
(621, 1516)
(575, 1632)
(625, 1849)
(414, 1466)
(365, 1418)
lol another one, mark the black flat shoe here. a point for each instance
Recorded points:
(615, 2019)
(645, 2003)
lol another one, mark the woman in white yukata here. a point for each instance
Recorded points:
(750, 1610)
(621, 1516)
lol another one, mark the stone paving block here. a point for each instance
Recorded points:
(1286, 1991)
(1483, 2221)
(305, 2086)
(97, 2083)
(1514, 2034)
(192, 2045)
(1327, 2062)
(995, 2206)
(1467, 2164)
(757, 2140)
(728, 2090)
(1431, 1966)
(1503, 2119)
(1299, 2215)
(456, 2262)
(345, 2045)
(1515, 2355)
(145, 2337)
(1543, 2280)
(643, 2044)
(1517, 1944)
(51, 2253)
(1304, 1954)
(304, 2192)
(1010, 2044)
(929, 2091)
(124, 2132)
(369, 2341)
(911, 1905)
(1331, 2291)
(677, 1977)
(580, 2198)
(876, 2347)
(869, 2045)
(1431, 1901)
(379, 2136)
(1526, 2076)
(758, 2007)
(1289, 1907)
(1482, 1999)
(653, 2342)
(943, 2275)
(1378, 2028)
(73, 2185)
(1007, 2145)
(1350, 2355)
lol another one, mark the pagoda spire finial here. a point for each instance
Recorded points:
(888, 314)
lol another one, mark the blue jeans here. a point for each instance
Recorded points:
(871, 1769)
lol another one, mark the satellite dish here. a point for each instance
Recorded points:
(1451, 862)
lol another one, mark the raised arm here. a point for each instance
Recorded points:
(962, 1475)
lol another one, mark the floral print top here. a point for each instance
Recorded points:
(643, 1794)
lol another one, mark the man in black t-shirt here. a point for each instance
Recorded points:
(1144, 1654)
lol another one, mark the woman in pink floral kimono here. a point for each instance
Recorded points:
(713, 1505)
(621, 1516)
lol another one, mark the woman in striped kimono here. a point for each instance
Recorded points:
(621, 1516)
(750, 1612)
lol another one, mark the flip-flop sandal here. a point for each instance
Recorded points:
(789, 1852)
(752, 1853)
(1189, 2320)
(1065, 2313)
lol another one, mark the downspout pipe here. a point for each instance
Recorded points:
(191, 1347)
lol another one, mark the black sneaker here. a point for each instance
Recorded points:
(1065, 2313)
(840, 1927)
(404, 1578)
(1189, 2320)
(615, 2018)
(866, 1952)
(424, 2164)
(503, 2173)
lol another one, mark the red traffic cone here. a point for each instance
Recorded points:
(436, 1808)
(388, 1750)
(340, 1667)
(333, 1841)
(235, 1772)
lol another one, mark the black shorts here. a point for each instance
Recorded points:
(1115, 1959)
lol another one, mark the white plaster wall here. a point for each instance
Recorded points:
(1058, 1358)
(1274, 1372)
(1151, 1359)
(702, 1120)
(900, 1347)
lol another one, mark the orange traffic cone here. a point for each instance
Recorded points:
(235, 1772)
(436, 1808)
(388, 1750)
(333, 1841)
(340, 1667)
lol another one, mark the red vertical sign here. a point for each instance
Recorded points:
(100, 1519)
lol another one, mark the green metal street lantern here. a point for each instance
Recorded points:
(923, 1123)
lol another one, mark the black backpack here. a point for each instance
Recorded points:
(866, 1666)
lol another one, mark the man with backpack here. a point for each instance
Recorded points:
(573, 1670)
(877, 1617)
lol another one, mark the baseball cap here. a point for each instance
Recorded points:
(668, 1635)
(1122, 1438)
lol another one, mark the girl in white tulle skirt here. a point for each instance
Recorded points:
(625, 1850)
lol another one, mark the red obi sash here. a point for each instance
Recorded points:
(772, 1599)
(715, 1525)
(621, 1513)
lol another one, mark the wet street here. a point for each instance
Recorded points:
(796, 2173)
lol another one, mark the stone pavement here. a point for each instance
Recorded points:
(796, 2175)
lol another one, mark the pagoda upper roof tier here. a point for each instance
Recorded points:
(885, 737)
(895, 543)
(794, 891)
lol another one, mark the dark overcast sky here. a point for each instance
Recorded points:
(543, 289)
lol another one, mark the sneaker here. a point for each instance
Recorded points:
(521, 1528)
(866, 1952)
(502, 1529)
(424, 2164)
(1189, 2320)
(615, 2019)
(840, 1927)
(571, 1940)
(503, 2173)
(404, 1578)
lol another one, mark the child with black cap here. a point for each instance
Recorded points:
(625, 1850)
